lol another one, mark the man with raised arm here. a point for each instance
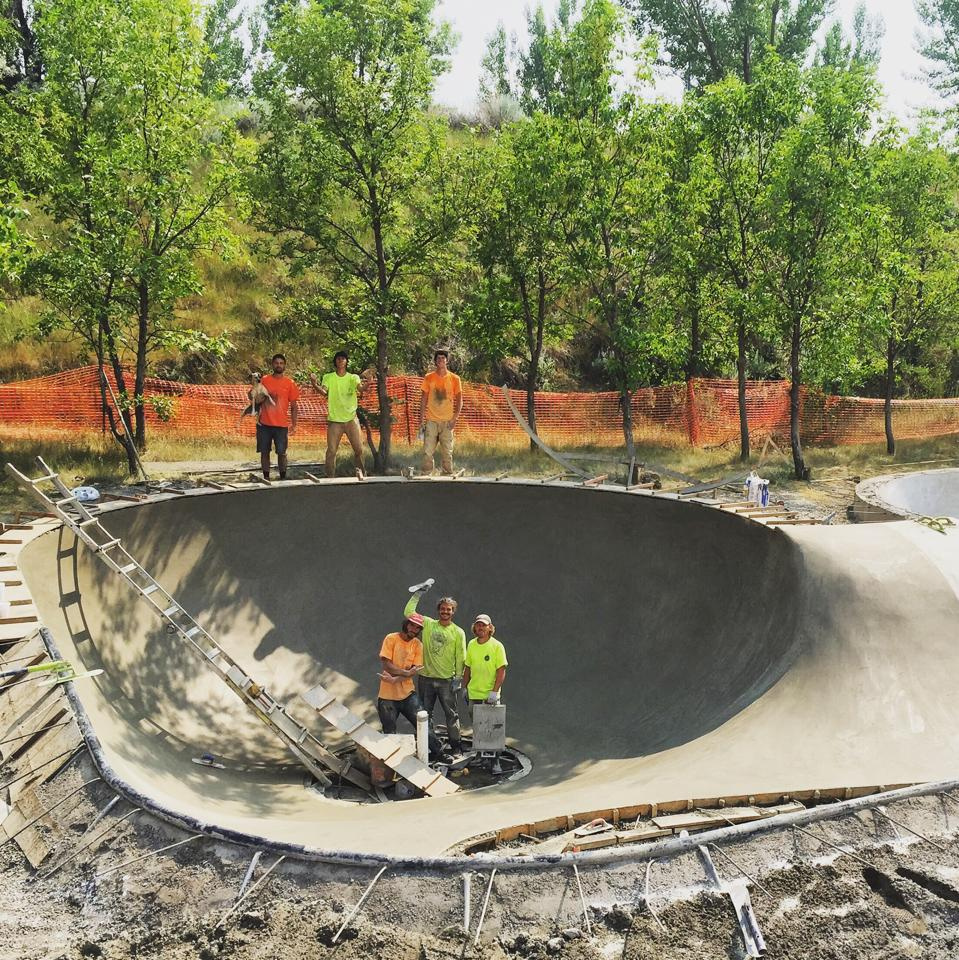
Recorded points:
(343, 392)
(440, 406)
(444, 651)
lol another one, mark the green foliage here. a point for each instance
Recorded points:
(708, 40)
(358, 183)
(225, 62)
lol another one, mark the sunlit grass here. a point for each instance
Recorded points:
(100, 460)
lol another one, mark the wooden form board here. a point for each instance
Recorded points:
(39, 764)
(707, 819)
(382, 746)
(30, 841)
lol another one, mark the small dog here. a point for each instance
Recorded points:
(259, 396)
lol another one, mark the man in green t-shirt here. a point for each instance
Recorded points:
(342, 391)
(444, 649)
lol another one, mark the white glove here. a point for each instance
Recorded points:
(493, 697)
(423, 587)
(457, 684)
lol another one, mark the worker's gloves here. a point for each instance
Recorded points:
(493, 697)
(421, 588)
(456, 684)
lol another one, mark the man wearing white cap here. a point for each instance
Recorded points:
(484, 669)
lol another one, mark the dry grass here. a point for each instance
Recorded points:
(99, 460)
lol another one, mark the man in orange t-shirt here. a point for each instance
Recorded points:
(401, 656)
(441, 404)
(277, 420)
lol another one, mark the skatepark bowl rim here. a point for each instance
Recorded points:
(179, 540)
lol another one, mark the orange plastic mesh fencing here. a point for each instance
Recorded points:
(701, 412)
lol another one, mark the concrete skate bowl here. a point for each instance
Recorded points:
(658, 650)
(925, 493)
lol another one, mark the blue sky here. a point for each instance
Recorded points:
(474, 20)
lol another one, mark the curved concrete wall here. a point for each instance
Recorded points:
(657, 649)
(925, 493)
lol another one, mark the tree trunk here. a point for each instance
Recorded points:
(118, 433)
(802, 471)
(381, 455)
(694, 364)
(741, 376)
(890, 388)
(534, 344)
(139, 376)
(626, 400)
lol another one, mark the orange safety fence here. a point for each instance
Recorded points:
(701, 412)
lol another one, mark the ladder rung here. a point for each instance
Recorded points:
(170, 611)
(128, 568)
(192, 632)
(44, 478)
(109, 545)
(213, 653)
(146, 591)
(64, 501)
(86, 523)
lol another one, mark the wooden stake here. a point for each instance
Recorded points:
(360, 903)
(489, 890)
(147, 856)
(582, 900)
(256, 886)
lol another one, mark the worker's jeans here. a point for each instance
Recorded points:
(390, 710)
(437, 432)
(433, 689)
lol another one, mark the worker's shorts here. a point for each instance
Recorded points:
(267, 436)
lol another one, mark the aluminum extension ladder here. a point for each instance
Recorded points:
(85, 524)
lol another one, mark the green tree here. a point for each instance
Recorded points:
(941, 48)
(818, 180)
(124, 156)
(225, 63)
(863, 48)
(358, 183)
(20, 56)
(907, 292)
(519, 245)
(740, 127)
(709, 40)
(615, 160)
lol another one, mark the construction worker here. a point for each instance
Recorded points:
(444, 649)
(485, 663)
(440, 405)
(277, 418)
(343, 391)
(401, 656)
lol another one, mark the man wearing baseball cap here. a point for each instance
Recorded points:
(485, 666)
(401, 656)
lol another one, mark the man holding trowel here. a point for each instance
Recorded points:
(444, 650)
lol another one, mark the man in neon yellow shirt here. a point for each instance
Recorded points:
(343, 392)
(444, 650)
(485, 664)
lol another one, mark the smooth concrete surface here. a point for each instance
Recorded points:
(658, 650)
(925, 493)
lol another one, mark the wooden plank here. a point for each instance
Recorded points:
(37, 761)
(799, 521)
(16, 631)
(700, 820)
(616, 838)
(30, 841)
(21, 619)
(49, 711)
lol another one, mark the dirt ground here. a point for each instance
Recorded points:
(810, 902)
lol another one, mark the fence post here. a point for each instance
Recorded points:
(406, 400)
(692, 414)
